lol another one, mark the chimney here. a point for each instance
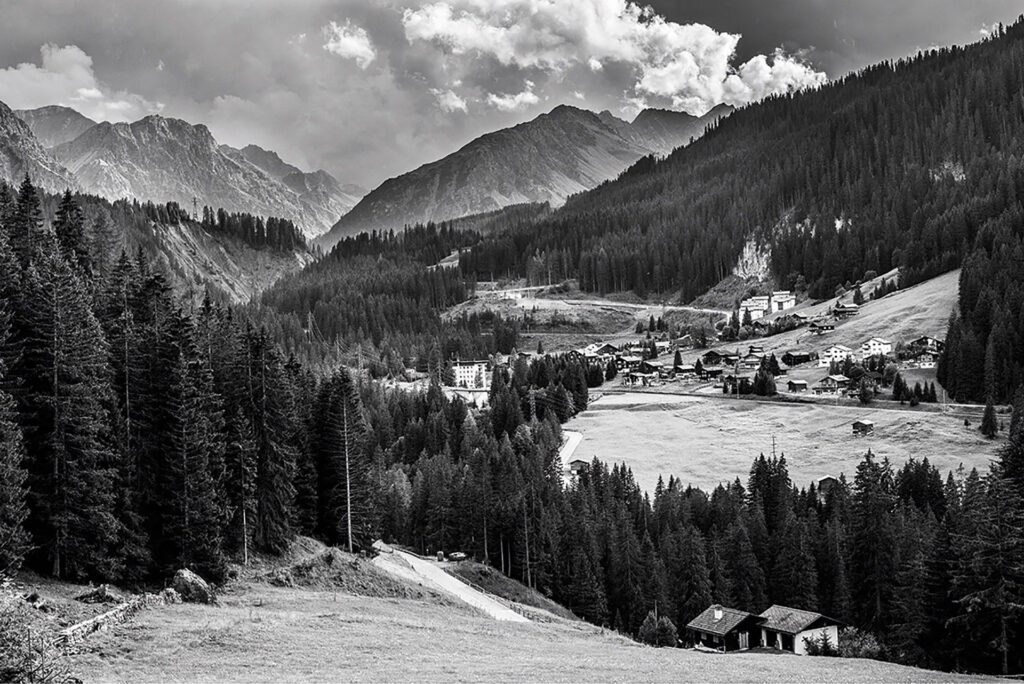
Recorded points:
(718, 612)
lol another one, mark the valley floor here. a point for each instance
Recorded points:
(269, 634)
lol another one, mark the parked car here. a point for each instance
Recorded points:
(457, 556)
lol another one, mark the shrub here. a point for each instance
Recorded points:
(24, 656)
(853, 643)
(667, 633)
(822, 646)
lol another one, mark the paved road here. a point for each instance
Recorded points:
(432, 574)
(572, 440)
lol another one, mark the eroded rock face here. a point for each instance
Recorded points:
(192, 588)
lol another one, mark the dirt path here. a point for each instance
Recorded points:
(431, 574)
(572, 440)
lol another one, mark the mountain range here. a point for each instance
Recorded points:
(21, 153)
(164, 159)
(558, 154)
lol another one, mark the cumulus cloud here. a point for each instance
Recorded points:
(65, 76)
(689, 65)
(449, 101)
(351, 42)
(514, 102)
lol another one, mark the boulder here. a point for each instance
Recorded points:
(192, 588)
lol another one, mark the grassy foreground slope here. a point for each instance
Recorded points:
(269, 634)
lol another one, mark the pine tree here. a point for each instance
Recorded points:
(873, 555)
(72, 467)
(69, 225)
(989, 423)
(14, 540)
(988, 581)
(273, 433)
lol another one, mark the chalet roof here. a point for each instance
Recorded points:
(706, 622)
(839, 347)
(577, 461)
(865, 423)
(837, 378)
(797, 382)
(879, 340)
(789, 620)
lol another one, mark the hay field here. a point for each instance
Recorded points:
(268, 634)
(705, 441)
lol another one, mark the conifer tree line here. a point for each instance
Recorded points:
(900, 165)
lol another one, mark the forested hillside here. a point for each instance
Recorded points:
(902, 164)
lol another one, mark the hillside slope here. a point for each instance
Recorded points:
(21, 153)
(266, 634)
(889, 167)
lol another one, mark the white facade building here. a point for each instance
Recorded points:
(876, 346)
(837, 352)
(471, 374)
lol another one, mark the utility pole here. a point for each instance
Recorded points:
(195, 210)
(773, 446)
(348, 480)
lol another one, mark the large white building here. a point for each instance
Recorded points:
(471, 374)
(837, 353)
(876, 346)
(765, 305)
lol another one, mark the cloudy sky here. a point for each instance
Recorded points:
(368, 89)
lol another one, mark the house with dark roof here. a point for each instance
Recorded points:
(789, 629)
(725, 629)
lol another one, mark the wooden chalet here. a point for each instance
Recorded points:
(832, 384)
(725, 629)
(863, 427)
(797, 385)
(845, 310)
(821, 328)
(796, 357)
(789, 629)
(714, 358)
(575, 466)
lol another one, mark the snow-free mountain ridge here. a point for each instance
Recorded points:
(566, 151)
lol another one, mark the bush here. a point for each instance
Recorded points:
(667, 634)
(24, 656)
(822, 646)
(853, 643)
(658, 631)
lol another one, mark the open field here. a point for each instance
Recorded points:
(269, 634)
(705, 441)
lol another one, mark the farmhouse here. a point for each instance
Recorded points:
(845, 310)
(876, 346)
(725, 629)
(471, 374)
(832, 384)
(837, 353)
(713, 358)
(821, 328)
(787, 629)
(825, 485)
(627, 362)
(797, 385)
(796, 357)
(928, 344)
(863, 427)
(575, 466)
(752, 360)
(685, 371)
